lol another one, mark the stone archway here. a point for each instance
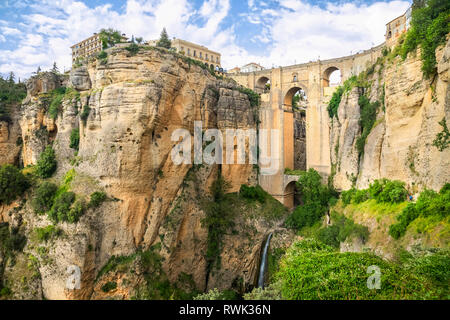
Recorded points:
(291, 194)
(327, 74)
(262, 85)
(289, 95)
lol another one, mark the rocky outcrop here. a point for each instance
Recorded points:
(399, 145)
(135, 104)
(79, 78)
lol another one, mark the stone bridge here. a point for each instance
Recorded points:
(276, 112)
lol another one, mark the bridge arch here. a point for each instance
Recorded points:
(261, 84)
(327, 74)
(290, 93)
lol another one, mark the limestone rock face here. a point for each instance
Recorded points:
(399, 145)
(345, 130)
(42, 83)
(136, 103)
(10, 140)
(79, 78)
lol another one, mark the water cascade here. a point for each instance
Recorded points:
(263, 265)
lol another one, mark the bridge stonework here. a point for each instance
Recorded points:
(276, 112)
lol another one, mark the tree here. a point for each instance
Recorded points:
(11, 77)
(12, 183)
(55, 68)
(46, 164)
(132, 39)
(139, 40)
(109, 37)
(164, 41)
(38, 70)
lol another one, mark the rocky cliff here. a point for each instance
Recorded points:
(126, 108)
(399, 146)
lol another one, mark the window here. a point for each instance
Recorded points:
(217, 59)
(200, 55)
(206, 57)
(195, 53)
(189, 52)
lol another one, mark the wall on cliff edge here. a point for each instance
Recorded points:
(399, 146)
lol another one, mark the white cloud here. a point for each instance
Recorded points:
(294, 32)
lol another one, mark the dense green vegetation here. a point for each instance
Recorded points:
(429, 27)
(74, 139)
(316, 198)
(382, 190)
(44, 197)
(109, 37)
(12, 183)
(46, 165)
(215, 294)
(442, 140)
(56, 98)
(312, 270)
(218, 219)
(430, 206)
(367, 119)
(342, 229)
(12, 241)
(335, 100)
(47, 233)
(10, 93)
(133, 49)
(85, 114)
(97, 198)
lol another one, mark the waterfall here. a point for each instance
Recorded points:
(263, 265)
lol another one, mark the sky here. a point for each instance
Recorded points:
(37, 33)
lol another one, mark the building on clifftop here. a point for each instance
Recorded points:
(396, 27)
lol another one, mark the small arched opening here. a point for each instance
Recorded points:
(291, 195)
(263, 85)
(332, 77)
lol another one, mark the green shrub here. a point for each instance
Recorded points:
(109, 286)
(102, 55)
(133, 49)
(44, 197)
(253, 193)
(85, 114)
(342, 229)
(442, 140)
(253, 97)
(385, 190)
(61, 207)
(74, 139)
(270, 292)
(368, 114)
(97, 198)
(56, 97)
(12, 183)
(335, 100)
(311, 270)
(360, 196)
(429, 204)
(47, 233)
(11, 241)
(347, 196)
(76, 211)
(46, 164)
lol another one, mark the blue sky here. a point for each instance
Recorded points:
(283, 32)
